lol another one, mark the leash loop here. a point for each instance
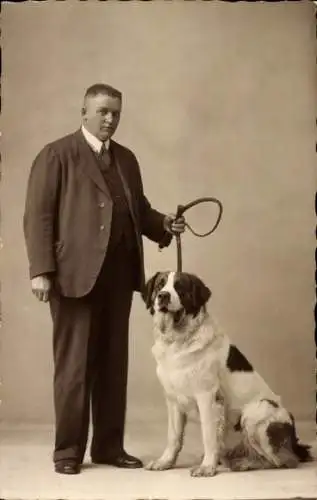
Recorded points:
(181, 209)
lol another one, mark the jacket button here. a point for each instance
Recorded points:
(101, 204)
(102, 227)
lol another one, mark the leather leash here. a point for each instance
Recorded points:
(181, 209)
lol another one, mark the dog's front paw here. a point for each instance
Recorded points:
(159, 465)
(203, 471)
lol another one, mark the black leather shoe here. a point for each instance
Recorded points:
(123, 460)
(67, 467)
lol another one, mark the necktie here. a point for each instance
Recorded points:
(105, 156)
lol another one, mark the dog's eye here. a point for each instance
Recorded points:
(160, 283)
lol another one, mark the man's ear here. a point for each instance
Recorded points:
(147, 291)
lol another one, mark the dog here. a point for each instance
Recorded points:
(199, 368)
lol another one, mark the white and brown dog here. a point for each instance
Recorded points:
(200, 368)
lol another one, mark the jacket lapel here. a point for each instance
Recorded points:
(125, 184)
(89, 163)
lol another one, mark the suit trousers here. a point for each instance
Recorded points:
(90, 346)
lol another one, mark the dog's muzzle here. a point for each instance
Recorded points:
(164, 299)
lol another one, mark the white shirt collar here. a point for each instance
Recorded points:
(93, 141)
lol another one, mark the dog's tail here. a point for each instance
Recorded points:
(286, 449)
(302, 451)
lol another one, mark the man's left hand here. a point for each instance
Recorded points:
(174, 225)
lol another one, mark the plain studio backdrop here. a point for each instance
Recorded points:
(219, 100)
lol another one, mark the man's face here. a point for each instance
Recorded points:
(101, 115)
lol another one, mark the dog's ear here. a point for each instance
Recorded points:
(147, 291)
(200, 293)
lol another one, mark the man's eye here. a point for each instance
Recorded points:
(104, 112)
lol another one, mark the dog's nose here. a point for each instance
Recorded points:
(164, 296)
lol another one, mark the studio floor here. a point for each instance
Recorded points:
(26, 471)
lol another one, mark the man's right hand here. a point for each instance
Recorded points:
(41, 286)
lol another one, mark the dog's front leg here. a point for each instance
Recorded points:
(176, 427)
(212, 419)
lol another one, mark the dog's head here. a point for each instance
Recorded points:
(175, 293)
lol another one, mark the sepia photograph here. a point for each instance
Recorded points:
(158, 238)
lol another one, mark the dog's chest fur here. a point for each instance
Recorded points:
(195, 365)
(186, 368)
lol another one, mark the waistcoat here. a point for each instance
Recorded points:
(122, 225)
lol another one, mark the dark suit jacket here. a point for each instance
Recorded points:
(68, 213)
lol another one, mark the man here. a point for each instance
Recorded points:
(84, 218)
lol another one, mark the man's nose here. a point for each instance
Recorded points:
(164, 296)
(109, 117)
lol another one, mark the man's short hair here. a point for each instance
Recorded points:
(102, 88)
